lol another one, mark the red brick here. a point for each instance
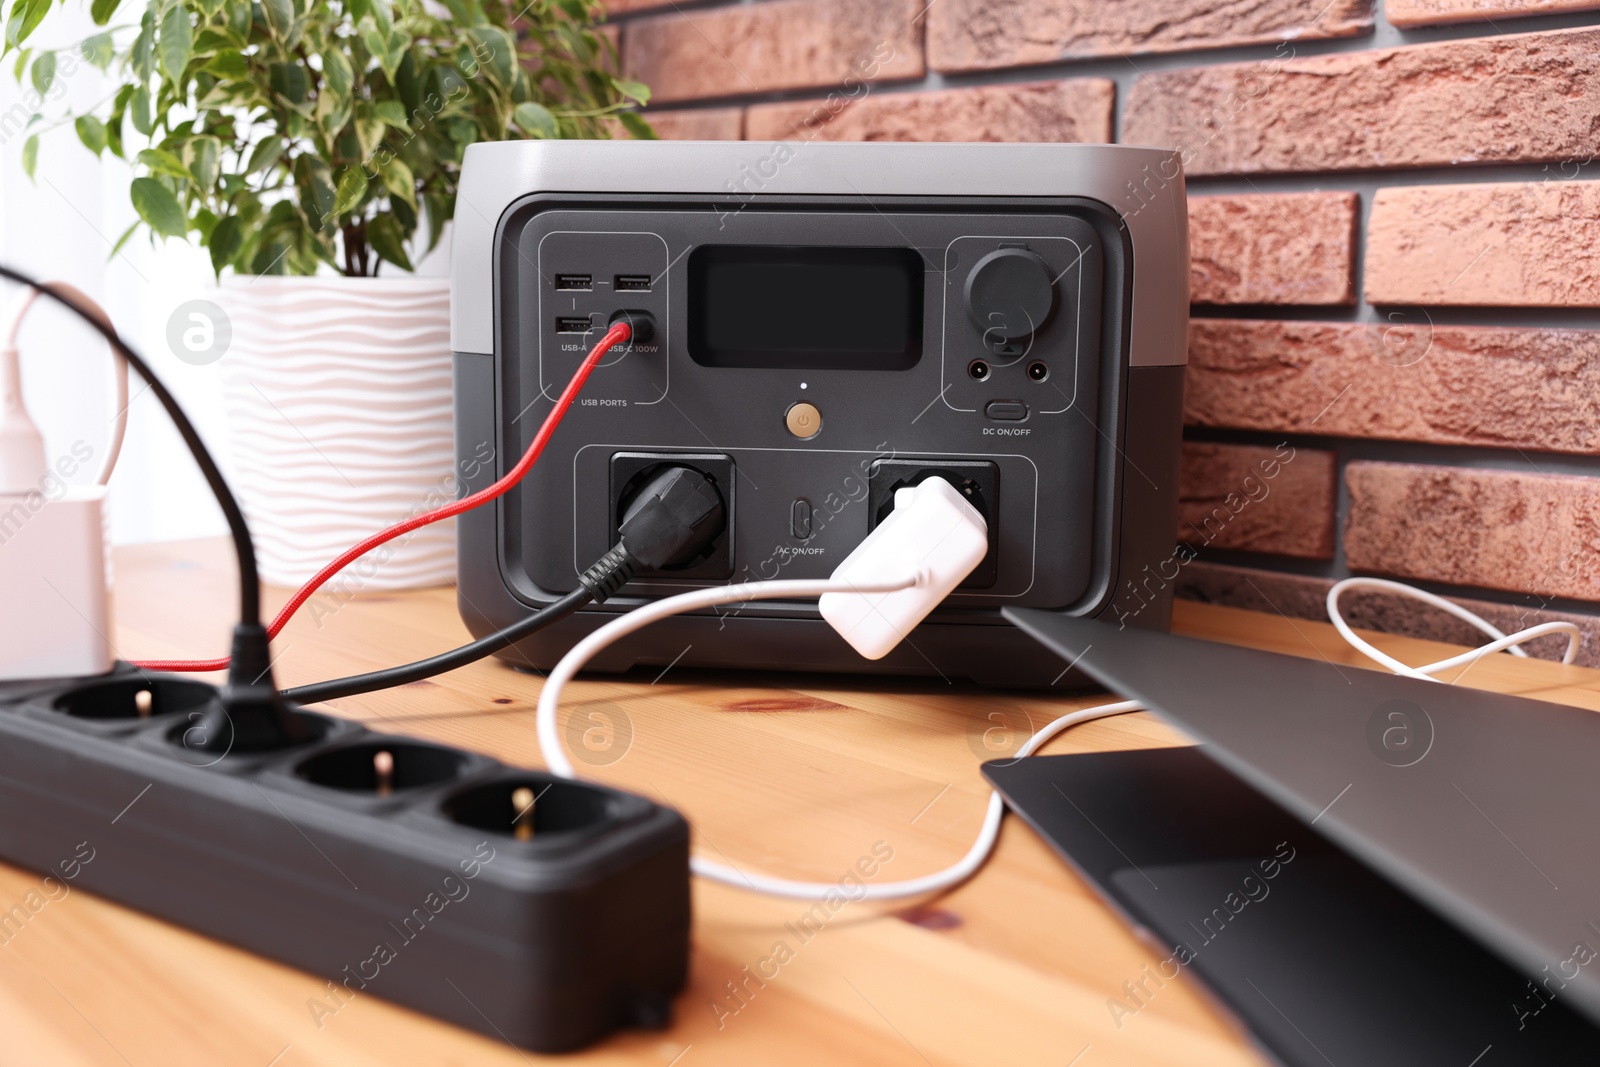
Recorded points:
(700, 124)
(1527, 532)
(1407, 380)
(1521, 244)
(1258, 499)
(1291, 248)
(1303, 597)
(1525, 98)
(776, 44)
(1077, 110)
(983, 34)
(1434, 12)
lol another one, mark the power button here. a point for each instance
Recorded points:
(1006, 410)
(803, 420)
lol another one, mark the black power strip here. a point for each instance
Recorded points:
(527, 907)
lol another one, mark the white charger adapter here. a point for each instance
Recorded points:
(55, 605)
(934, 531)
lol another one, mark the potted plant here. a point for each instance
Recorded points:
(312, 147)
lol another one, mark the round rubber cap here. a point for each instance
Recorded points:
(1010, 294)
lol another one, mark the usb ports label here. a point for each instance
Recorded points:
(632, 283)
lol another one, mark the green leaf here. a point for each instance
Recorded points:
(333, 111)
(21, 63)
(352, 187)
(290, 81)
(383, 234)
(230, 65)
(536, 120)
(466, 12)
(98, 50)
(369, 131)
(203, 156)
(439, 206)
(176, 42)
(398, 179)
(239, 96)
(129, 232)
(92, 132)
(392, 112)
(227, 238)
(44, 72)
(209, 40)
(638, 92)
(102, 10)
(30, 154)
(495, 51)
(271, 258)
(337, 76)
(317, 192)
(161, 161)
(142, 56)
(24, 19)
(280, 17)
(265, 154)
(119, 112)
(139, 108)
(387, 45)
(636, 125)
(158, 207)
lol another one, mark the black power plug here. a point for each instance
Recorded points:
(670, 522)
(642, 323)
(250, 714)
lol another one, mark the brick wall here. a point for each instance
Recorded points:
(1395, 350)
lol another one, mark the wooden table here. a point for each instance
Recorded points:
(792, 775)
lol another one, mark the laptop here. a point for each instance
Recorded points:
(1435, 889)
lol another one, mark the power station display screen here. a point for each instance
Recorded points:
(801, 307)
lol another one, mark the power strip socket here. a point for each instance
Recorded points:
(510, 902)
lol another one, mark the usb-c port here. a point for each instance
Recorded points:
(578, 282)
(573, 326)
(633, 283)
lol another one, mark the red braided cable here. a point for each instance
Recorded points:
(616, 335)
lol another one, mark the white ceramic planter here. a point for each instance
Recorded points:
(338, 393)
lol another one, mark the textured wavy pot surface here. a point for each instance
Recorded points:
(339, 403)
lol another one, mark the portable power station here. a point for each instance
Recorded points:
(830, 322)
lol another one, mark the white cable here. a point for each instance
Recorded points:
(574, 661)
(119, 366)
(581, 653)
(1502, 640)
(556, 755)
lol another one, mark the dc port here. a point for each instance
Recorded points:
(978, 370)
(1038, 372)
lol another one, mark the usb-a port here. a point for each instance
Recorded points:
(579, 282)
(633, 283)
(573, 326)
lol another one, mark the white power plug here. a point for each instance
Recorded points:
(54, 561)
(933, 531)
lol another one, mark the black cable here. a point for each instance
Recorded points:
(670, 520)
(248, 714)
(445, 661)
(249, 582)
